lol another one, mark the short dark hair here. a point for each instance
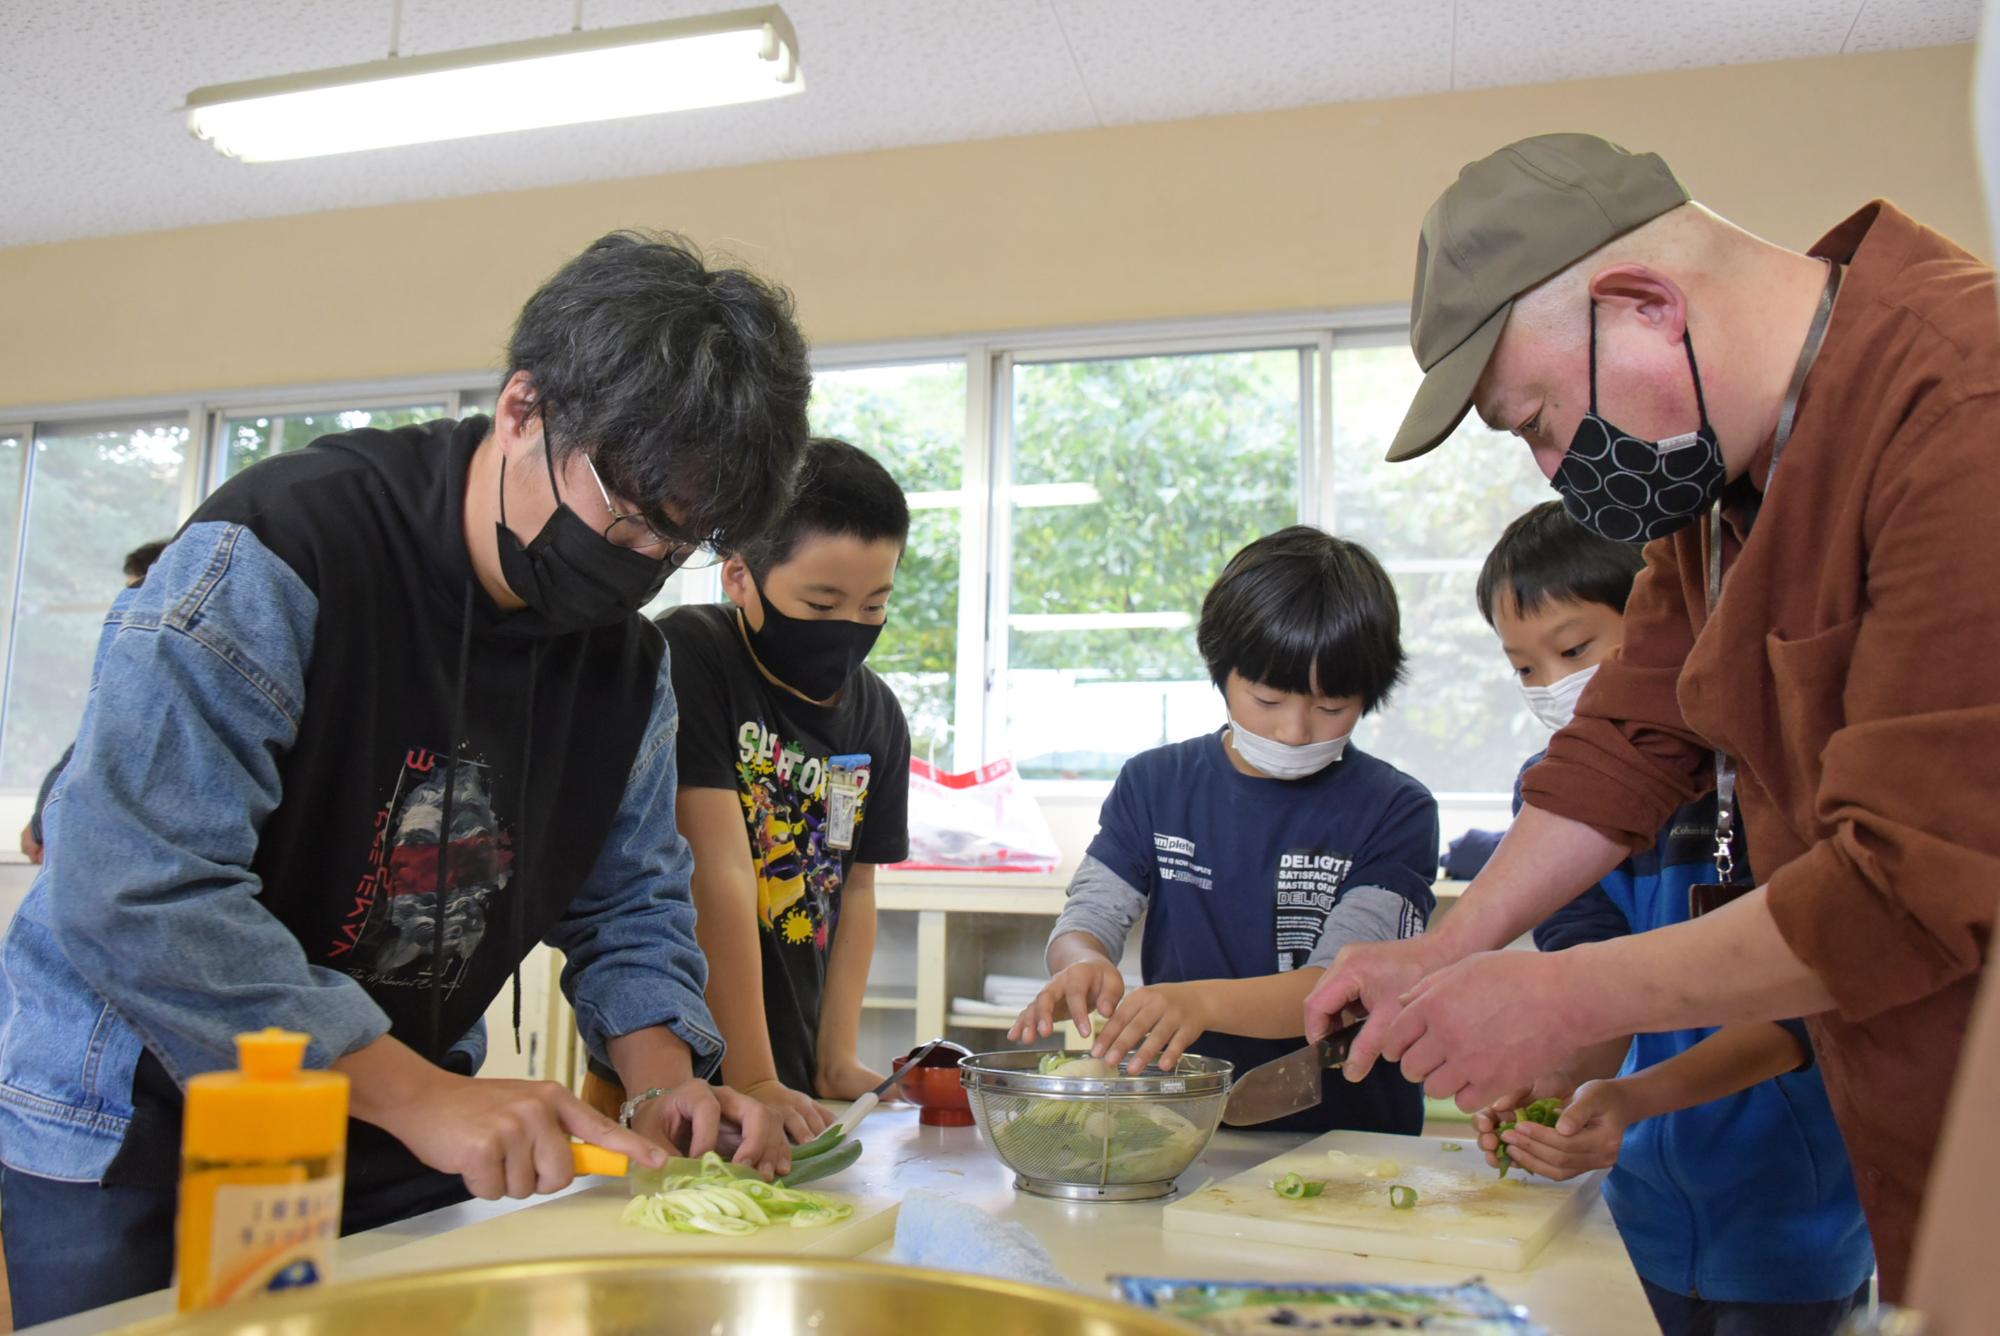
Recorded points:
(1544, 557)
(686, 383)
(141, 558)
(1300, 610)
(841, 490)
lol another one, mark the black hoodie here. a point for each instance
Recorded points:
(406, 642)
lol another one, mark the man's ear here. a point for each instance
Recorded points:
(1645, 292)
(517, 412)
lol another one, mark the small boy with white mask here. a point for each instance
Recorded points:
(1731, 1185)
(1255, 852)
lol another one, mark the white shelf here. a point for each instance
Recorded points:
(904, 1001)
(1046, 881)
(955, 898)
(965, 1020)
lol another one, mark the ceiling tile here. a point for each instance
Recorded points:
(1151, 60)
(89, 88)
(1893, 27)
(1500, 42)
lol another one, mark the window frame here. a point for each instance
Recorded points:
(32, 430)
(215, 445)
(986, 464)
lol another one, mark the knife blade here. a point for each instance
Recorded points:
(1292, 1083)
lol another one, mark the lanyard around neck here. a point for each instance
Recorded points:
(1725, 765)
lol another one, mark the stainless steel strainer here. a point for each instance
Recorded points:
(1124, 1138)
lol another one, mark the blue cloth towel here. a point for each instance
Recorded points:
(949, 1235)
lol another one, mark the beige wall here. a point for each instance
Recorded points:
(1289, 210)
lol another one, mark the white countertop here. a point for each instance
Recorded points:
(1582, 1285)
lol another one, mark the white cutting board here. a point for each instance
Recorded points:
(586, 1224)
(1464, 1216)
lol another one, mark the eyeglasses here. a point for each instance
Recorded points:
(643, 531)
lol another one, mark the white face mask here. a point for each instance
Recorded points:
(1555, 704)
(1281, 760)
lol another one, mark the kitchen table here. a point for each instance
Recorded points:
(1581, 1285)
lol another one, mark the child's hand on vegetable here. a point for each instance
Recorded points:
(1557, 1085)
(1154, 1023)
(1088, 985)
(1587, 1136)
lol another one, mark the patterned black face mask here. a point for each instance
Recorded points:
(1632, 490)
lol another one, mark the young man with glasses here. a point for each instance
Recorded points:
(384, 715)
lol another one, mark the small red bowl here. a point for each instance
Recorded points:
(937, 1092)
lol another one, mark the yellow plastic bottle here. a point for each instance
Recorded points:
(263, 1150)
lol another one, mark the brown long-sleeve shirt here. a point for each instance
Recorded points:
(1853, 669)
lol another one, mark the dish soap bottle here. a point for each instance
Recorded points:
(263, 1150)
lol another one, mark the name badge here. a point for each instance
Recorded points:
(846, 781)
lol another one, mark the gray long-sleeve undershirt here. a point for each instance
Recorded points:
(1105, 905)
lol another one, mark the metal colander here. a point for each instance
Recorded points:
(1124, 1138)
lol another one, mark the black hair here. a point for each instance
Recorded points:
(1302, 611)
(1545, 557)
(687, 384)
(840, 490)
(141, 558)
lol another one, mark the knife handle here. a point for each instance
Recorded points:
(590, 1159)
(856, 1111)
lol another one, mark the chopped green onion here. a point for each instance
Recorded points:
(1402, 1198)
(1292, 1187)
(714, 1201)
(1453, 1145)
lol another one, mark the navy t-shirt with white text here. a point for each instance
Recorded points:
(1240, 873)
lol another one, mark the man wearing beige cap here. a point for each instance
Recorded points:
(1832, 422)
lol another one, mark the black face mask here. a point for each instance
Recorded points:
(812, 657)
(1632, 490)
(572, 576)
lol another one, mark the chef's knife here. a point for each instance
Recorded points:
(589, 1159)
(1291, 1083)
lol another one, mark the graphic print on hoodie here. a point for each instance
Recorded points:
(387, 939)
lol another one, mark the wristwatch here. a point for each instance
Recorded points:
(631, 1106)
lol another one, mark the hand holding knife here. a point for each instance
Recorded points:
(1293, 1083)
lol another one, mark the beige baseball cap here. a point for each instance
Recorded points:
(1512, 219)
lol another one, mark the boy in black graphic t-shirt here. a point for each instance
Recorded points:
(795, 761)
(1259, 850)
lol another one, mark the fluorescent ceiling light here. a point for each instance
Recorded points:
(712, 60)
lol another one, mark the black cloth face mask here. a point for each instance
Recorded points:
(1632, 490)
(572, 576)
(813, 657)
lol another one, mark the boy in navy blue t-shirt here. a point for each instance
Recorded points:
(1256, 852)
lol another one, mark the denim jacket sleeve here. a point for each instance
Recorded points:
(196, 696)
(632, 960)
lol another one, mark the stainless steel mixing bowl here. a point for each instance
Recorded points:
(682, 1296)
(1121, 1138)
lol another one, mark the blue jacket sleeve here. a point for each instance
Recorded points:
(42, 794)
(631, 957)
(196, 695)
